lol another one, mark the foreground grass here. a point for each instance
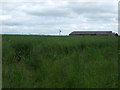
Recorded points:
(59, 61)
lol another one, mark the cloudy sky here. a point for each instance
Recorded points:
(47, 18)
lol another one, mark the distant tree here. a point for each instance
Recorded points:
(116, 34)
(60, 32)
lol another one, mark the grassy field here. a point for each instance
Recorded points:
(31, 61)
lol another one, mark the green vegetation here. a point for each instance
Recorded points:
(31, 61)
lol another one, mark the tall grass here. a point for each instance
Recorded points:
(59, 61)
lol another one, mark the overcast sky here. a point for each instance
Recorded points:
(48, 17)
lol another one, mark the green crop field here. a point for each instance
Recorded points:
(34, 61)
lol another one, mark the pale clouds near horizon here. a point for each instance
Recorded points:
(48, 17)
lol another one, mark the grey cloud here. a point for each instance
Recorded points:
(50, 12)
(93, 7)
(48, 17)
(12, 23)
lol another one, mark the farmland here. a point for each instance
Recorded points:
(36, 61)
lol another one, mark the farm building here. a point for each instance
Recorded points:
(102, 33)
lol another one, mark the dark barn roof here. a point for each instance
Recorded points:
(108, 33)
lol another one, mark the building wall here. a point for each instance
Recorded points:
(102, 33)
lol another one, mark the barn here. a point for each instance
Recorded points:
(101, 33)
